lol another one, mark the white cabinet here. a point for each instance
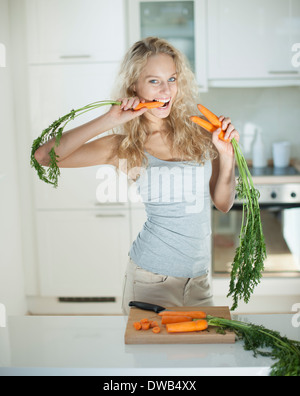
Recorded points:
(291, 220)
(57, 89)
(82, 188)
(181, 22)
(253, 40)
(229, 43)
(75, 30)
(82, 253)
(74, 52)
(138, 218)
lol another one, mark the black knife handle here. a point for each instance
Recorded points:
(146, 306)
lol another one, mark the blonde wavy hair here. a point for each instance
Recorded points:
(191, 142)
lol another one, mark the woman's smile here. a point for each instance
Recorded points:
(165, 101)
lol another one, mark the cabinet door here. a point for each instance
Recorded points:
(75, 30)
(181, 22)
(83, 188)
(57, 89)
(54, 91)
(252, 39)
(82, 253)
(138, 218)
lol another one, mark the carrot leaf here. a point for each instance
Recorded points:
(248, 263)
(55, 131)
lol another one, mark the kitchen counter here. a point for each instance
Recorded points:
(297, 165)
(94, 345)
(257, 180)
(277, 179)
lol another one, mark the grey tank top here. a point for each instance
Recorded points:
(176, 238)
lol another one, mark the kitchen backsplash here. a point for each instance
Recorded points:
(274, 110)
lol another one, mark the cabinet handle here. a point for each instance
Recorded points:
(109, 203)
(283, 72)
(75, 56)
(102, 215)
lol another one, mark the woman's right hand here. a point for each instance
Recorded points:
(125, 112)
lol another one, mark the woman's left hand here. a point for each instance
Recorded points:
(230, 133)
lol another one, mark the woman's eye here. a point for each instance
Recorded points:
(172, 79)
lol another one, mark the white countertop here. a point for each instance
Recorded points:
(273, 179)
(94, 345)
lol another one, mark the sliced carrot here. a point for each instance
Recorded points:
(192, 314)
(145, 325)
(156, 329)
(175, 319)
(153, 323)
(137, 325)
(148, 105)
(212, 118)
(144, 320)
(198, 325)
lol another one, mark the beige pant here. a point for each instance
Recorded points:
(168, 291)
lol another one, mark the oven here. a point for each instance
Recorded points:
(280, 214)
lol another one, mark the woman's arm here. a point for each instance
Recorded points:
(75, 152)
(223, 181)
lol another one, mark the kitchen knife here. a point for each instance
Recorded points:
(147, 306)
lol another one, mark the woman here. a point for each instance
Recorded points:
(169, 260)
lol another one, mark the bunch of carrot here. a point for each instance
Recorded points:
(182, 322)
(248, 262)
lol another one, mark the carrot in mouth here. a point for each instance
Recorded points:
(148, 105)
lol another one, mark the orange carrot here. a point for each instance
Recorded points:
(192, 314)
(209, 127)
(153, 323)
(213, 124)
(156, 329)
(148, 105)
(204, 124)
(144, 320)
(137, 325)
(212, 118)
(222, 137)
(198, 325)
(175, 319)
(146, 326)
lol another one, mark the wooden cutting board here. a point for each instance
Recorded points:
(209, 336)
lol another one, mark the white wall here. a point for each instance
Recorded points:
(274, 110)
(12, 293)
